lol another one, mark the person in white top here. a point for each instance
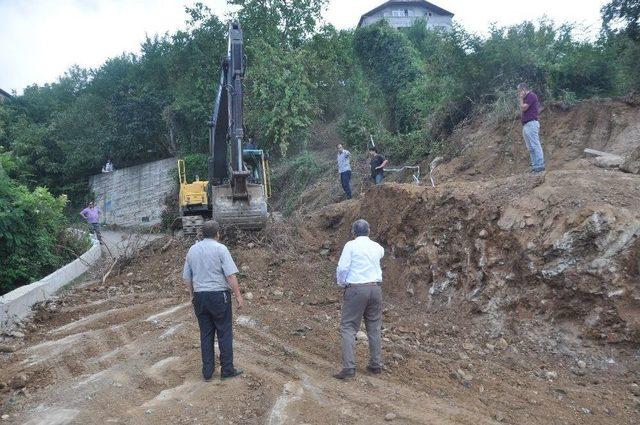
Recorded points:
(360, 274)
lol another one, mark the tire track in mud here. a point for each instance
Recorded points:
(141, 364)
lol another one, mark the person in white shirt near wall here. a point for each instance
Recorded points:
(359, 272)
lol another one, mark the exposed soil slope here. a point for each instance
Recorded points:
(492, 150)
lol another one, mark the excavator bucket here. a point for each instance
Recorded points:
(247, 214)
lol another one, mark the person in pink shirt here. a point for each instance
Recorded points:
(92, 214)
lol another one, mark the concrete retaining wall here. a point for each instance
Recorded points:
(135, 196)
(17, 304)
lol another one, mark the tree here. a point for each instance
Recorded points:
(281, 106)
(621, 25)
(287, 23)
(624, 13)
(391, 60)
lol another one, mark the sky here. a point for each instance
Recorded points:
(41, 39)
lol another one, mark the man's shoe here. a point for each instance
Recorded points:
(345, 374)
(233, 374)
(374, 370)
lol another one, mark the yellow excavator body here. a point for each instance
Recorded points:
(191, 194)
(196, 206)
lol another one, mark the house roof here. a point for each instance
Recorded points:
(5, 94)
(420, 3)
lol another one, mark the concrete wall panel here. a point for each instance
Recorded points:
(135, 196)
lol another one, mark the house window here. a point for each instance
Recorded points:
(428, 14)
(396, 13)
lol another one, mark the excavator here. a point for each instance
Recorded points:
(238, 185)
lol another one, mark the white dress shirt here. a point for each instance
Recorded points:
(360, 262)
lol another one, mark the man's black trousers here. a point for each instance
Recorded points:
(213, 310)
(345, 179)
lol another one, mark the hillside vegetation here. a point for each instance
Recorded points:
(407, 89)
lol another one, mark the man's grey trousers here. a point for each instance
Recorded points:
(361, 301)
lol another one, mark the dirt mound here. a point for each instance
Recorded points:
(491, 150)
(560, 249)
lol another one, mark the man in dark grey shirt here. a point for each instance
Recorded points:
(209, 274)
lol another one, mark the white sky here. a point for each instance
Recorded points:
(41, 39)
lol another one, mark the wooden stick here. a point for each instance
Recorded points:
(104, 278)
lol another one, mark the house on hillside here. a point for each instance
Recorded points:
(4, 96)
(403, 13)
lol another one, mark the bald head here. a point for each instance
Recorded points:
(210, 229)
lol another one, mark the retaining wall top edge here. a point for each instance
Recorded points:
(25, 289)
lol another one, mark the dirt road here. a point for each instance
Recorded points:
(116, 243)
(128, 352)
(135, 359)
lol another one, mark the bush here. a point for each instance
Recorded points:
(504, 108)
(356, 127)
(405, 147)
(32, 224)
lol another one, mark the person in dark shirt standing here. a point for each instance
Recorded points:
(378, 162)
(529, 107)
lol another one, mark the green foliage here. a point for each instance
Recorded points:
(293, 176)
(284, 23)
(547, 57)
(411, 146)
(432, 80)
(282, 120)
(132, 109)
(621, 33)
(395, 65)
(356, 128)
(332, 69)
(196, 165)
(622, 16)
(31, 230)
(568, 99)
(503, 109)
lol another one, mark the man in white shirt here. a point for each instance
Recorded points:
(360, 274)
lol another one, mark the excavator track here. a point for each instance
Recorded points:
(191, 224)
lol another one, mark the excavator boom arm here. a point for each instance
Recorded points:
(234, 200)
